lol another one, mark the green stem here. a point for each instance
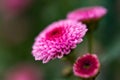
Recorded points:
(71, 57)
(92, 26)
(89, 79)
(90, 41)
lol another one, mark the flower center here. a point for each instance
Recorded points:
(86, 65)
(55, 33)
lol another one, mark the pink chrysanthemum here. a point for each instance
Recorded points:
(87, 14)
(58, 39)
(86, 66)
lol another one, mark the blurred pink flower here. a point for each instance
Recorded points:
(24, 72)
(87, 13)
(86, 66)
(11, 8)
(16, 5)
(58, 39)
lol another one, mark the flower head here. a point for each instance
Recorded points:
(87, 14)
(58, 39)
(86, 66)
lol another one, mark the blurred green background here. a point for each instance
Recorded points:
(19, 28)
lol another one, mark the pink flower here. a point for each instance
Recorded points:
(87, 14)
(24, 72)
(11, 8)
(86, 66)
(58, 39)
